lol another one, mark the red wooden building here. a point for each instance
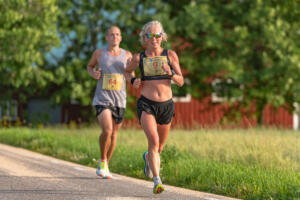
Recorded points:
(206, 114)
(193, 113)
(189, 113)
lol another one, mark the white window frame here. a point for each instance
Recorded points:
(7, 113)
(296, 116)
(187, 98)
(216, 99)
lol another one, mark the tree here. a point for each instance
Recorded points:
(253, 42)
(82, 25)
(27, 32)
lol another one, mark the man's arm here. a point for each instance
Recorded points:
(128, 76)
(129, 71)
(91, 67)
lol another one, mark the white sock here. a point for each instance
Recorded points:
(102, 161)
(156, 180)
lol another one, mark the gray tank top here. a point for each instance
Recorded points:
(111, 87)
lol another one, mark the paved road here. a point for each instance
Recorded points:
(28, 175)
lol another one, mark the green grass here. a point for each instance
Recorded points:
(247, 164)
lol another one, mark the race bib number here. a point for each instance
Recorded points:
(153, 66)
(112, 81)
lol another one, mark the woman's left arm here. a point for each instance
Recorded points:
(176, 77)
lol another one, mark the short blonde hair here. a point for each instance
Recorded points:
(147, 26)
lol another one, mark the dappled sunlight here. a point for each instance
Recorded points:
(268, 148)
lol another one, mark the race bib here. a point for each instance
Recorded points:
(112, 81)
(153, 66)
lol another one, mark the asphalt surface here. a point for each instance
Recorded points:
(29, 175)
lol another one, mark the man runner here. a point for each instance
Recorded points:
(108, 66)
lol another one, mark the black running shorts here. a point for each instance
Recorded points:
(117, 113)
(162, 111)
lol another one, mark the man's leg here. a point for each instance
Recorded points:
(106, 123)
(113, 143)
(112, 146)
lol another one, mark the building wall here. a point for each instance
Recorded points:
(188, 114)
(204, 113)
(42, 111)
(277, 117)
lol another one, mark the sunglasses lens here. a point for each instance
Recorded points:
(153, 35)
(158, 35)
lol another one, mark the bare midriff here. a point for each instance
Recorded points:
(157, 90)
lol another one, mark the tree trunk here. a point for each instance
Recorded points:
(259, 113)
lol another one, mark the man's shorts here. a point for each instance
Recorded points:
(117, 113)
(162, 111)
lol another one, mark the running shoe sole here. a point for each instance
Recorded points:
(158, 189)
(105, 174)
(108, 175)
(102, 175)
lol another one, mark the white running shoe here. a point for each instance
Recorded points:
(108, 174)
(101, 169)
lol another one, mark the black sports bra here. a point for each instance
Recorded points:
(151, 68)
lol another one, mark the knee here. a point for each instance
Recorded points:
(114, 135)
(154, 146)
(107, 132)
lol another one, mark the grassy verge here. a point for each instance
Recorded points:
(247, 164)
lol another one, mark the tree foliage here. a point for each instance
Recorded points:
(27, 32)
(82, 26)
(253, 42)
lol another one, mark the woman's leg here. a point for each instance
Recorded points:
(149, 126)
(163, 132)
